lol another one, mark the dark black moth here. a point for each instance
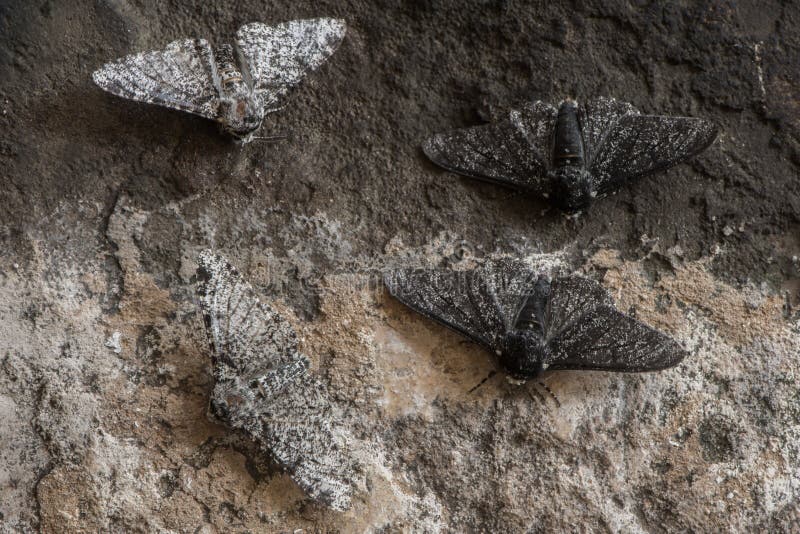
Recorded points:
(572, 154)
(533, 323)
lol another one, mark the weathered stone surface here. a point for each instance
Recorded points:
(104, 365)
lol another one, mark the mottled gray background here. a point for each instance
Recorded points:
(105, 203)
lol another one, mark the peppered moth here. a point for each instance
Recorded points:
(263, 386)
(235, 85)
(572, 154)
(533, 323)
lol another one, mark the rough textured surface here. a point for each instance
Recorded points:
(105, 372)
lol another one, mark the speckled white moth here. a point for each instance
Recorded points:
(264, 389)
(235, 85)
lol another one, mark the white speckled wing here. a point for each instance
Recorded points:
(247, 336)
(278, 57)
(482, 304)
(583, 330)
(263, 387)
(624, 145)
(182, 76)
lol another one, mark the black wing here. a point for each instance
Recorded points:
(513, 152)
(635, 145)
(182, 76)
(481, 304)
(584, 330)
(597, 118)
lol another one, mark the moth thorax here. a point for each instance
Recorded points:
(523, 355)
(567, 141)
(241, 116)
(230, 79)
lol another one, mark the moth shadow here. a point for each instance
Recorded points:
(259, 464)
(96, 116)
(139, 140)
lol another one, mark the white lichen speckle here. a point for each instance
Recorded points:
(114, 342)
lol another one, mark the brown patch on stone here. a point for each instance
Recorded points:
(68, 502)
(385, 354)
(144, 303)
(739, 317)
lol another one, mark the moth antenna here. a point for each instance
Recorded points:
(482, 382)
(547, 389)
(267, 111)
(271, 138)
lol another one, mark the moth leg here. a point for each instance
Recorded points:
(271, 138)
(553, 395)
(538, 398)
(482, 382)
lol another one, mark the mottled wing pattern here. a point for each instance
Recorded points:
(481, 304)
(642, 144)
(182, 76)
(536, 120)
(263, 388)
(297, 425)
(514, 152)
(275, 380)
(278, 57)
(584, 330)
(597, 118)
(246, 335)
(302, 431)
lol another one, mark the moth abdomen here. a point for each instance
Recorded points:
(567, 142)
(230, 75)
(572, 188)
(524, 354)
(531, 315)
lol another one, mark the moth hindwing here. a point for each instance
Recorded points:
(572, 154)
(264, 389)
(236, 85)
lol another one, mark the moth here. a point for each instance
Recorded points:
(573, 154)
(263, 386)
(236, 85)
(533, 323)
